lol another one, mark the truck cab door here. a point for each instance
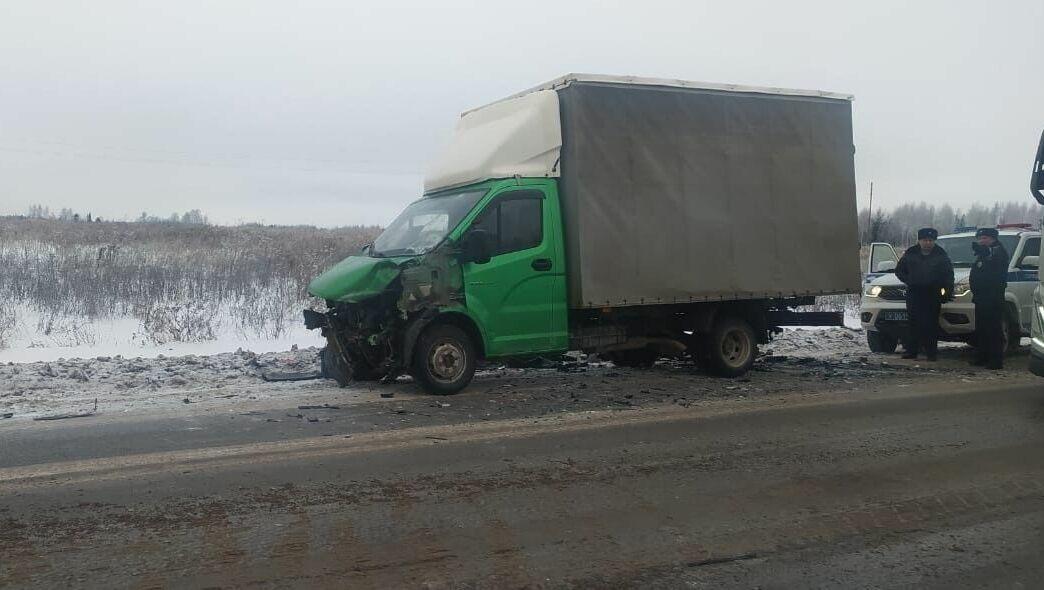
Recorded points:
(882, 261)
(511, 295)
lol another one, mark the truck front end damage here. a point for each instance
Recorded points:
(368, 318)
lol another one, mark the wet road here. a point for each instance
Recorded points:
(932, 485)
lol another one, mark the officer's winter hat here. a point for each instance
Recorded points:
(987, 231)
(927, 233)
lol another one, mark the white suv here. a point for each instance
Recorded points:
(883, 307)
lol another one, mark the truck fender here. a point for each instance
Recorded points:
(412, 333)
(417, 326)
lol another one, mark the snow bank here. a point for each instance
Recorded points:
(121, 384)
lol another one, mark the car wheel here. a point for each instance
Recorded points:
(1012, 332)
(882, 343)
(444, 359)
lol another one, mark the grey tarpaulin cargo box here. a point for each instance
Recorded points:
(676, 194)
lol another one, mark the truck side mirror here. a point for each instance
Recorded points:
(476, 246)
(1037, 178)
(886, 266)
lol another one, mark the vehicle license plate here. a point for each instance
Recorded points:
(895, 315)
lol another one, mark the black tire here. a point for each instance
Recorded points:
(444, 359)
(730, 348)
(332, 366)
(1012, 332)
(638, 358)
(882, 343)
(358, 370)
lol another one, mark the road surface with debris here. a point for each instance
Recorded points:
(849, 470)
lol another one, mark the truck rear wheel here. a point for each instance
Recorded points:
(731, 347)
(444, 359)
(879, 342)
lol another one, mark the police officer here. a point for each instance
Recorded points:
(928, 273)
(989, 280)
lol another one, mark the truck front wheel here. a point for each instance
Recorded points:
(332, 366)
(731, 347)
(444, 359)
(879, 342)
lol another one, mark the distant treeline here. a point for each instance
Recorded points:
(193, 217)
(899, 225)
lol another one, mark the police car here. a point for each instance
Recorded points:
(883, 307)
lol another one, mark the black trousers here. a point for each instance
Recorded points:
(989, 334)
(923, 306)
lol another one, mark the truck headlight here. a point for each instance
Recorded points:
(872, 291)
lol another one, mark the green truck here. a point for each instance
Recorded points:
(634, 218)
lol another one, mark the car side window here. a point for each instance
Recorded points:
(514, 223)
(521, 225)
(1032, 248)
(489, 221)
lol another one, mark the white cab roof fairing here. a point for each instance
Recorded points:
(521, 136)
(568, 79)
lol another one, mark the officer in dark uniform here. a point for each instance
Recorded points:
(928, 273)
(989, 280)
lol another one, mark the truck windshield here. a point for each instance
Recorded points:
(422, 225)
(960, 248)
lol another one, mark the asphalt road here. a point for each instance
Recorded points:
(914, 485)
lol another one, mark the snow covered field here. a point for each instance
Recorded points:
(72, 338)
(87, 289)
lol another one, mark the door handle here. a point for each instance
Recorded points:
(542, 264)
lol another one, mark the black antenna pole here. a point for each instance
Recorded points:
(870, 215)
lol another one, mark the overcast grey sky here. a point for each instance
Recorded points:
(327, 112)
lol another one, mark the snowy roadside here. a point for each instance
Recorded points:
(231, 380)
(126, 384)
(121, 384)
(818, 343)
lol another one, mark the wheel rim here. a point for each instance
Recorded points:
(447, 361)
(735, 348)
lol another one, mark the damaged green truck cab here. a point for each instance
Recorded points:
(492, 286)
